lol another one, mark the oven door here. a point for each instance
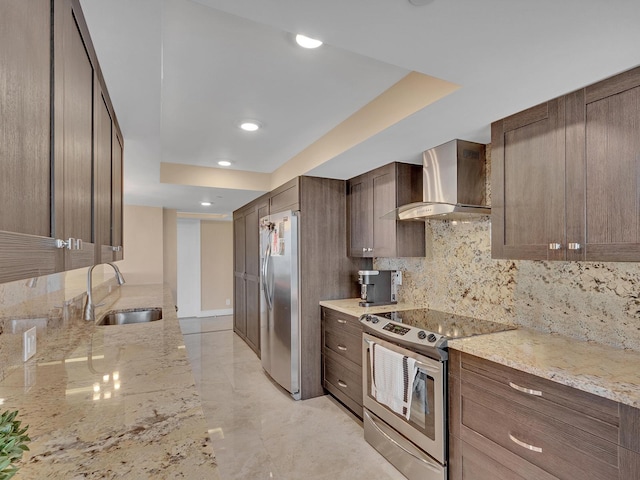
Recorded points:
(426, 424)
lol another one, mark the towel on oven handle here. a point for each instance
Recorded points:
(392, 376)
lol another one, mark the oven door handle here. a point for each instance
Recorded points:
(431, 465)
(421, 365)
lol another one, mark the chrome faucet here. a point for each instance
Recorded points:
(89, 307)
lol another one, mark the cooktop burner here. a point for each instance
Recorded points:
(427, 331)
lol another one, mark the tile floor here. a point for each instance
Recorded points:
(258, 431)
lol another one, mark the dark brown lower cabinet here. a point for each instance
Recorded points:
(507, 424)
(342, 358)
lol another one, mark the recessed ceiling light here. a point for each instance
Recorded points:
(307, 42)
(205, 204)
(224, 163)
(249, 125)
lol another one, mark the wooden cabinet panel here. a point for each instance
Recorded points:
(343, 378)
(360, 217)
(528, 184)
(286, 197)
(384, 200)
(73, 136)
(239, 239)
(344, 344)
(373, 195)
(476, 465)
(239, 305)
(613, 176)
(116, 195)
(102, 178)
(25, 159)
(253, 313)
(74, 96)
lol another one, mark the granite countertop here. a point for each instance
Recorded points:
(350, 306)
(112, 402)
(595, 368)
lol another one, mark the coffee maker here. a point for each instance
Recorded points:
(377, 287)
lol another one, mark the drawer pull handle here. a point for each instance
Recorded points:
(537, 393)
(340, 320)
(342, 347)
(555, 246)
(525, 445)
(342, 384)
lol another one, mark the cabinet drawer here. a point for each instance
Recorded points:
(561, 449)
(344, 344)
(347, 380)
(340, 322)
(595, 415)
(469, 463)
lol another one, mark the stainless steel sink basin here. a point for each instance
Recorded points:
(126, 317)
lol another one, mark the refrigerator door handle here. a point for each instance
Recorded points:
(265, 275)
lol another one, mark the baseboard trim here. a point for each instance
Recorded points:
(216, 313)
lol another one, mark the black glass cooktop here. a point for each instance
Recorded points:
(446, 324)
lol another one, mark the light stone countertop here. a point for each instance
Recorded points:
(592, 367)
(112, 402)
(350, 306)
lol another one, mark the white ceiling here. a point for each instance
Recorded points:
(182, 73)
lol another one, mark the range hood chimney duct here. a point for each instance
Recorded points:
(454, 184)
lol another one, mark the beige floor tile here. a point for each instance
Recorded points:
(259, 432)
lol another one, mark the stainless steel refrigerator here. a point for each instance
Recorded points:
(279, 299)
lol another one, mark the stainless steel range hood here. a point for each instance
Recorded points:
(454, 184)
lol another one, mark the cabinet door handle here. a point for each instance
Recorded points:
(525, 445)
(369, 249)
(342, 384)
(555, 246)
(364, 249)
(574, 246)
(342, 347)
(341, 321)
(71, 244)
(537, 393)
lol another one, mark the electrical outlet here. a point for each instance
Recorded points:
(29, 343)
(398, 275)
(228, 301)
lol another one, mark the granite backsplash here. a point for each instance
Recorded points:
(47, 303)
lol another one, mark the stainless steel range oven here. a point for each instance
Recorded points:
(405, 402)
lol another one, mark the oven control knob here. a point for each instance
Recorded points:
(422, 335)
(368, 318)
(432, 338)
(375, 320)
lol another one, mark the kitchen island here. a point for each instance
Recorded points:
(112, 402)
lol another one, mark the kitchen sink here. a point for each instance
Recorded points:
(126, 317)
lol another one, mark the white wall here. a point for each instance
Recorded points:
(143, 245)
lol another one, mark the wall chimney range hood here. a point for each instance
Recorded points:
(454, 184)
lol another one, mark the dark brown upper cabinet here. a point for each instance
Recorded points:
(27, 248)
(566, 176)
(52, 131)
(372, 195)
